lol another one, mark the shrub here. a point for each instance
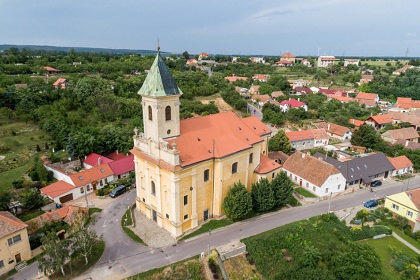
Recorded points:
(369, 232)
(399, 263)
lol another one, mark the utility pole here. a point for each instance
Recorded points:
(86, 198)
(208, 250)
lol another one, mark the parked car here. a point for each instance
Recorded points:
(370, 203)
(118, 191)
(376, 183)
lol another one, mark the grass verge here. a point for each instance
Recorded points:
(304, 192)
(383, 249)
(94, 210)
(126, 219)
(31, 215)
(409, 239)
(211, 225)
(133, 236)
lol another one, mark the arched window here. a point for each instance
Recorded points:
(251, 156)
(234, 168)
(153, 188)
(168, 113)
(150, 113)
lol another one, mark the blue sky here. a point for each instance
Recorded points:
(264, 27)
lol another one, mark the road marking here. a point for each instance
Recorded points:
(104, 224)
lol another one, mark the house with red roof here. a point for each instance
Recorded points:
(260, 99)
(292, 103)
(405, 205)
(203, 55)
(407, 104)
(61, 83)
(288, 56)
(379, 121)
(122, 167)
(14, 242)
(185, 168)
(335, 131)
(260, 77)
(93, 159)
(401, 164)
(283, 63)
(314, 175)
(356, 123)
(234, 78)
(406, 134)
(302, 90)
(402, 70)
(367, 99)
(306, 62)
(325, 61)
(308, 139)
(51, 71)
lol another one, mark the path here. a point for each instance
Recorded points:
(406, 243)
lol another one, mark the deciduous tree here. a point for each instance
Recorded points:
(56, 252)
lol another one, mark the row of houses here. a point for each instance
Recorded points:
(99, 171)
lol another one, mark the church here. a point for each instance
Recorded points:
(185, 168)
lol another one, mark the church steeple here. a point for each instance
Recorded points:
(160, 101)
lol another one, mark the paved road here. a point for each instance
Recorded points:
(128, 258)
(254, 111)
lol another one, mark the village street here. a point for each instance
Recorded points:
(123, 257)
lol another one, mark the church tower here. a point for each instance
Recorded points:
(160, 101)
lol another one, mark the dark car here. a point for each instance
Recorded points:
(376, 183)
(370, 203)
(118, 191)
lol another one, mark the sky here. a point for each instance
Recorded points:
(250, 27)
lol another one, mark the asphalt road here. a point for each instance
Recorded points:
(124, 258)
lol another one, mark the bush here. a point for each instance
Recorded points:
(369, 232)
(399, 263)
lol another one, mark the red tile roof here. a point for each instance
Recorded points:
(56, 189)
(356, 123)
(293, 103)
(309, 168)
(94, 159)
(327, 91)
(47, 68)
(400, 162)
(300, 135)
(9, 224)
(288, 55)
(275, 94)
(123, 165)
(342, 98)
(266, 165)
(366, 95)
(403, 133)
(216, 136)
(320, 134)
(333, 128)
(59, 81)
(414, 195)
(303, 89)
(283, 62)
(234, 78)
(381, 119)
(91, 175)
(117, 155)
(263, 98)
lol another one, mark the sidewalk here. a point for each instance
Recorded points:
(406, 243)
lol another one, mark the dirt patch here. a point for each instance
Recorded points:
(220, 103)
(239, 268)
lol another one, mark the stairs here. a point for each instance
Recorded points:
(21, 265)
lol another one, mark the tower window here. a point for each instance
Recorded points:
(251, 155)
(153, 188)
(185, 199)
(234, 168)
(150, 113)
(206, 175)
(168, 113)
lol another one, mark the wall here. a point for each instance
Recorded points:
(8, 252)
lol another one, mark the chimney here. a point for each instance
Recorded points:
(303, 155)
(298, 99)
(406, 142)
(328, 127)
(409, 195)
(99, 161)
(117, 152)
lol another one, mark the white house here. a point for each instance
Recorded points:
(286, 105)
(325, 61)
(316, 176)
(401, 164)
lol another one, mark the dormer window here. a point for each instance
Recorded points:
(80, 178)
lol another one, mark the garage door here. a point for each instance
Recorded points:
(66, 198)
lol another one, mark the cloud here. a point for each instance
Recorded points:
(410, 35)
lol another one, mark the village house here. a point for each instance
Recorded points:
(203, 55)
(257, 59)
(302, 90)
(325, 61)
(278, 156)
(316, 176)
(185, 168)
(378, 121)
(93, 159)
(283, 63)
(234, 78)
(406, 205)
(412, 118)
(288, 56)
(254, 89)
(61, 83)
(402, 70)
(406, 104)
(308, 139)
(367, 99)
(276, 94)
(14, 242)
(408, 144)
(356, 123)
(335, 131)
(260, 99)
(361, 171)
(306, 62)
(292, 103)
(408, 133)
(261, 78)
(402, 165)
(350, 61)
(365, 79)
(51, 71)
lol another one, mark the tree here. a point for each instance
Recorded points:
(366, 136)
(186, 55)
(283, 189)
(238, 203)
(56, 252)
(263, 197)
(32, 199)
(280, 142)
(84, 239)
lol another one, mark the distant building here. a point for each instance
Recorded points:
(288, 56)
(286, 105)
(367, 99)
(61, 83)
(51, 71)
(402, 70)
(348, 62)
(257, 59)
(306, 62)
(234, 78)
(408, 133)
(379, 121)
(325, 61)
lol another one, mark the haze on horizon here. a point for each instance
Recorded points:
(303, 27)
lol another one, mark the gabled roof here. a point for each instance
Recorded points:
(59, 81)
(381, 119)
(414, 196)
(402, 133)
(56, 189)
(123, 165)
(366, 95)
(283, 62)
(9, 224)
(91, 175)
(260, 77)
(216, 136)
(303, 89)
(327, 58)
(263, 97)
(234, 78)
(47, 68)
(309, 168)
(408, 144)
(300, 135)
(94, 159)
(266, 165)
(275, 94)
(293, 103)
(356, 123)
(333, 128)
(400, 162)
(362, 167)
(281, 156)
(327, 91)
(159, 81)
(320, 134)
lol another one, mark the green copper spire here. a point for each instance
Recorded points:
(159, 81)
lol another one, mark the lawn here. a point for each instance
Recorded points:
(126, 219)
(31, 215)
(238, 268)
(211, 225)
(382, 248)
(409, 239)
(304, 192)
